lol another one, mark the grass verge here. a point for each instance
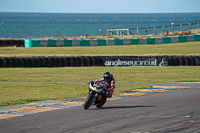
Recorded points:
(187, 48)
(15, 94)
(153, 74)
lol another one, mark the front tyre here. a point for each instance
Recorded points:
(88, 102)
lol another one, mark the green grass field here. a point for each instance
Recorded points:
(187, 48)
(12, 94)
(121, 74)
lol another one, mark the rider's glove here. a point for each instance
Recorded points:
(109, 95)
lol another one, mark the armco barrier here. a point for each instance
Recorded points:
(158, 40)
(167, 40)
(190, 38)
(67, 42)
(175, 39)
(197, 37)
(101, 42)
(135, 41)
(97, 42)
(151, 40)
(142, 40)
(111, 41)
(99, 61)
(182, 38)
(127, 41)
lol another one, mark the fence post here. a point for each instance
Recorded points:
(163, 29)
(137, 31)
(180, 27)
(172, 30)
(154, 30)
(146, 31)
(189, 26)
(117, 32)
(128, 32)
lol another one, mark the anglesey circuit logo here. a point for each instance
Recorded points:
(137, 62)
(164, 62)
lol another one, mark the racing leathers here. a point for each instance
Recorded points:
(110, 85)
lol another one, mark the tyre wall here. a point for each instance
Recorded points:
(88, 61)
(11, 43)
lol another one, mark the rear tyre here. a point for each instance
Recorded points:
(88, 102)
(100, 105)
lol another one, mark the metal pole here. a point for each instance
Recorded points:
(146, 31)
(163, 29)
(137, 31)
(154, 30)
(189, 26)
(180, 27)
(128, 32)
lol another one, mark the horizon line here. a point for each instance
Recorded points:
(95, 12)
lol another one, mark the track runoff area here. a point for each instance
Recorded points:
(27, 109)
(166, 107)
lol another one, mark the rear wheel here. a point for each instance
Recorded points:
(88, 102)
(100, 105)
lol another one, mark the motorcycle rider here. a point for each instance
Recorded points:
(109, 80)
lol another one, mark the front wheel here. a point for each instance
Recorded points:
(88, 102)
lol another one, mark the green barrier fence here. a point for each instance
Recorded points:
(51, 43)
(112, 41)
(118, 41)
(197, 37)
(134, 40)
(84, 42)
(32, 43)
(166, 39)
(101, 42)
(150, 40)
(67, 42)
(182, 38)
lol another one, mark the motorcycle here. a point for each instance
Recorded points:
(97, 94)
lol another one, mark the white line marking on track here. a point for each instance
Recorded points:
(154, 116)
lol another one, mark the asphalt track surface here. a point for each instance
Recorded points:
(175, 111)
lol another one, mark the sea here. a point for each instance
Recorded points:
(38, 25)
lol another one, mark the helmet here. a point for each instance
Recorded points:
(107, 76)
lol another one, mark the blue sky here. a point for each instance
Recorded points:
(100, 6)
